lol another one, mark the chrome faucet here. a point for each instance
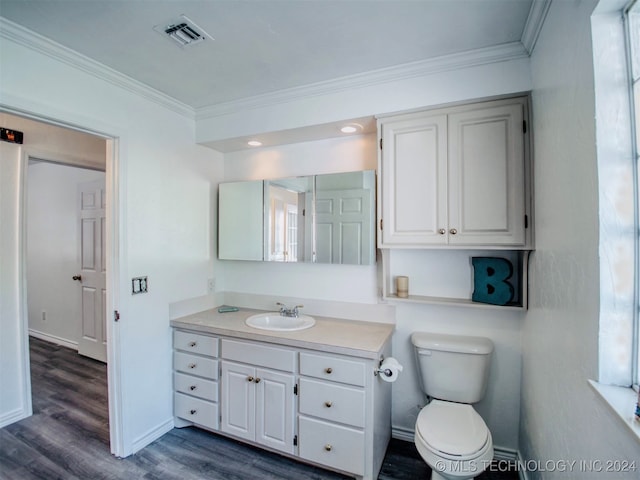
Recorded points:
(289, 312)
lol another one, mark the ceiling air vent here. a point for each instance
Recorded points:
(183, 32)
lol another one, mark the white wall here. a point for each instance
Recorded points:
(355, 289)
(561, 417)
(51, 142)
(167, 191)
(53, 254)
(15, 402)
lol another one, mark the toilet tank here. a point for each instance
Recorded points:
(453, 367)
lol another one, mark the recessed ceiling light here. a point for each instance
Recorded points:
(254, 143)
(351, 128)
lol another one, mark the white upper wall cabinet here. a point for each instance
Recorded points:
(455, 177)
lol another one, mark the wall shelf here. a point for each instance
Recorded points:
(445, 277)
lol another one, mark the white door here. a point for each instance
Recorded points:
(414, 180)
(238, 400)
(92, 274)
(274, 410)
(486, 176)
(344, 226)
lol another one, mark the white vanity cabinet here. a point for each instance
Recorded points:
(311, 395)
(257, 384)
(454, 177)
(333, 411)
(195, 379)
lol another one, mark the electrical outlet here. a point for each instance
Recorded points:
(211, 285)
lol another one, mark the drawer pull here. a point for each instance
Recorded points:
(328, 404)
(249, 379)
(328, 447)
(328, 370)
(257, 380)
(192, 365)
(193, 344)
(193, 411)
(192, 387)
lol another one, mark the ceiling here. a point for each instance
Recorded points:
(266, 46)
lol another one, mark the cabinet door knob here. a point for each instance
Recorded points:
(192, 387)
(192, 365)
(328, 447)
(328, 404)
(249, 379)
(257, 380)
(192, 344)
(193, 411)
(453, 231)
(442, 231)
(328, 370)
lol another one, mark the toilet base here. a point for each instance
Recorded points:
(437, 476)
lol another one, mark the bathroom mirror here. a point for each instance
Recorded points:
(318, 219)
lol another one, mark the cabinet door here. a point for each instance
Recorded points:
(486, 176)
(274, 410)
(413, 170)
(238, 400)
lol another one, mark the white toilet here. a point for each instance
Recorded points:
(450, 435)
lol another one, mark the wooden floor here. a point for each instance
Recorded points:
(68, 438)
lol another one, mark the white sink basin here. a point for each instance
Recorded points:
(275, 321)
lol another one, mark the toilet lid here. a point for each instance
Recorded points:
(452, 428)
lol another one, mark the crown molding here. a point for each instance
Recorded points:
(34, 41)
(471, 58)
(535, 20)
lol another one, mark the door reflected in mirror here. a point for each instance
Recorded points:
(320, 219)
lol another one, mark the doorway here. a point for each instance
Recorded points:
(16, 209)
(66, 268)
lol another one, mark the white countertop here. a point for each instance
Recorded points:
(346, 337)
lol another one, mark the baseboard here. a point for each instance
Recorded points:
(152, 435)
(402, 434)
(47, 337)
(14, 416)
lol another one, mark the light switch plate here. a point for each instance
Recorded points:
(139, 285)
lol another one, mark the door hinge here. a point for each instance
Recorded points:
(524, 126)
(295, 389)
(526, 221)
(381, 144)
(295, 440)
(116, 315)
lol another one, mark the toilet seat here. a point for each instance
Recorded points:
(452, 430)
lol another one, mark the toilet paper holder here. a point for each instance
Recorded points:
(384, 371)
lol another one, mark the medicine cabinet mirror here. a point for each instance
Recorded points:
(317, 219)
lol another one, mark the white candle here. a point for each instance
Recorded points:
(402, 286)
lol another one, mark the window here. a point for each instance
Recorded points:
(632, 24)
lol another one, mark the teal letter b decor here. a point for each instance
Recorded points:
(490, 275)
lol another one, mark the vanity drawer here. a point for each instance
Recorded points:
(337, 403)
(195, 386)
(195, 343)
(196, 410)
(258, 354)
(195, 365)
(332, 445)
(332, 368)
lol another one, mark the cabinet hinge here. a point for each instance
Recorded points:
(295, 389)
(116, 315)
(380, 224)
(380, 144)
(295, 440)
(526, 221)
(304, 212)
(524, 126)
